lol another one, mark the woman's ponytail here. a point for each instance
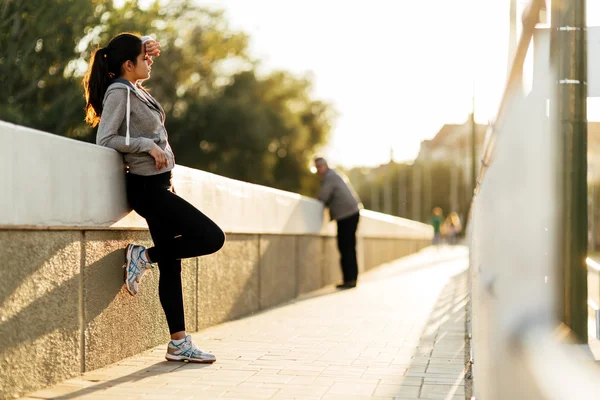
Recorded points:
(95, 82)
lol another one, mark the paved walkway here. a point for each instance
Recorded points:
(399, 335)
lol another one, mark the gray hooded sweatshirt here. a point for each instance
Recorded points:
(132, 121)
(339, 196)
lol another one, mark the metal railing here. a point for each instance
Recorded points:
(530, 20)
(520, 347)
(594, 294)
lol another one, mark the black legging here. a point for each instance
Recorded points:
(178, 230)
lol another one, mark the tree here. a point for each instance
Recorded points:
(38, 41)
(249, 116)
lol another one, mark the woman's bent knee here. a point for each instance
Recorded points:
(217, 241)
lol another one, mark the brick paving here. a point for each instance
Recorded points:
(399, 335)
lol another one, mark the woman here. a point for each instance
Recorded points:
(453, 227)
(131, 121)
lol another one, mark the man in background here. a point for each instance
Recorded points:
(344, 207)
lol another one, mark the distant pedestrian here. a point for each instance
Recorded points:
(452, 227)
(344, 207)
(437, 219)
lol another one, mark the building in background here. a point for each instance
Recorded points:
(452, 144)
(439, 176)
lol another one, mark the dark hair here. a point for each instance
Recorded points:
(105, 65)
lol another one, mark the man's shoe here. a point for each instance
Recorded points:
(347, 285)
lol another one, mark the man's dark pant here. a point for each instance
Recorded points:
(346, 238)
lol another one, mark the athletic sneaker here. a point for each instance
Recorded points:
(189, 352)
(135, 267)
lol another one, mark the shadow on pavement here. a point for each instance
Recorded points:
(87, 385)
(439, 365)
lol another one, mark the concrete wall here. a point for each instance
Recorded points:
(64, 225)
(64, 309)
(58, 182)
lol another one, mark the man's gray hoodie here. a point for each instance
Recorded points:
(338, 194)
(132, 121)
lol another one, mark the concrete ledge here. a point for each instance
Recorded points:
(34, 167)
(94, 195)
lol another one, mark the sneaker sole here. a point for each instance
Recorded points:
(127, 258)
(169, 357)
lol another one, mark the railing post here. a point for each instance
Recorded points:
(416, 192)
(512, 35)
(569, 58)
(473, 149)
(592, 219)
(402, 197)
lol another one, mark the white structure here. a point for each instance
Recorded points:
(50, 181)
(518, 346)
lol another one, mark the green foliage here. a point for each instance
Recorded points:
(37, 42)
(221, 116)
(258, 130)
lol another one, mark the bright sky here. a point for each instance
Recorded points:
(395, 70)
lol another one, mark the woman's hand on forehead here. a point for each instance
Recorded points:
(152, 48)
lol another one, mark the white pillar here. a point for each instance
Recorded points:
(416, 193)
(402, 194)
(387, 194)
(454, 183)
(375, 197)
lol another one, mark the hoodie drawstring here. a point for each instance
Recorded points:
(127, 115)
